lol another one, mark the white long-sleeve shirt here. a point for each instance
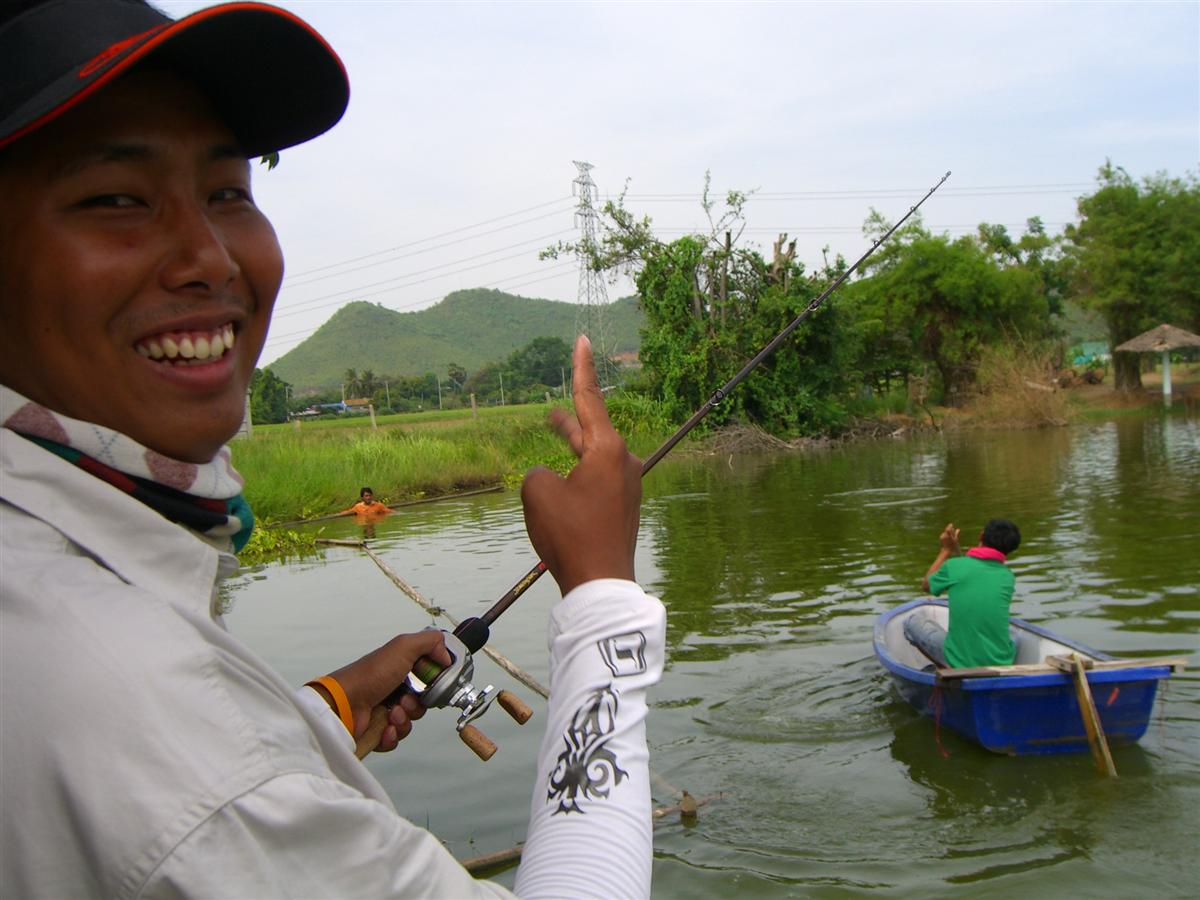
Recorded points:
(145, 752)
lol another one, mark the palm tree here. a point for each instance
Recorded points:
(368, 383)
(351, 383)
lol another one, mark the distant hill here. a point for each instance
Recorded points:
(471, 328)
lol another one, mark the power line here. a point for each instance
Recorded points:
(307, 305)
(301, 335)
(462, 240)
(433, 237)
(882, 193)
(780, 196)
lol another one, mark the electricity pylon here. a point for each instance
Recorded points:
(590, 313)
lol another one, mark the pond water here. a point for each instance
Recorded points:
(773, 570)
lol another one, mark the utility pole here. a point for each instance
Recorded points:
(388, 394)
(593, 295)
(501, 388)
(439, 380)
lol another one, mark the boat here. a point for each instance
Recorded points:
(1032, 706)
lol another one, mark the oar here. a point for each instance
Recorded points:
(1087, 708)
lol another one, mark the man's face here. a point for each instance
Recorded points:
(368, 498)
(131, 253)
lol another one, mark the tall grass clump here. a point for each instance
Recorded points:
(1017, 388)
(318, 468)
(642, 421)
(301, 475)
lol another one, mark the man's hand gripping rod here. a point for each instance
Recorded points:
(452, 686)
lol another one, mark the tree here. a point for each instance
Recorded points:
(368, 384)
(268, 397)
(1034, 251)
(541, 361)
(484, 382)
(457, 374)
(351, 383)
(928, 300)
(711, 304)
(1136, 258)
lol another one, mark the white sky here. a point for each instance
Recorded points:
(463, 115)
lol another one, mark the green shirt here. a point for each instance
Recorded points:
(980, 592)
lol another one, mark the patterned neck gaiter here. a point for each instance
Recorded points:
(206, 497)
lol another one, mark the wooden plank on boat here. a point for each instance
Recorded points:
(1063, 664)
(1066, 664)
(996, 671)
(1091, 718)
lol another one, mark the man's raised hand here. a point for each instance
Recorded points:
(585, 526)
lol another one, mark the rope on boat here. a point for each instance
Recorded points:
(936, 701)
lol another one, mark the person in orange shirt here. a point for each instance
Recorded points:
(367, 506)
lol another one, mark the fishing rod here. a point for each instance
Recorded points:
(717, 396)
(451, 686)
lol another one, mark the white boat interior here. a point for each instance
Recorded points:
(1031, 647)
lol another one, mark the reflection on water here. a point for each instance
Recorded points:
(773, 570)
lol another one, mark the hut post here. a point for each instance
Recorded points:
(1166, 377)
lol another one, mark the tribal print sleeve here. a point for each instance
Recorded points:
(590, 830)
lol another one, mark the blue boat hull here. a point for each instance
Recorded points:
(1023, 714)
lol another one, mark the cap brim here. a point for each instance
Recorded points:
(273, 80)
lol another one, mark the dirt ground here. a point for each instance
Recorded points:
(1185, 388)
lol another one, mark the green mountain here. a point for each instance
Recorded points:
(471, 328)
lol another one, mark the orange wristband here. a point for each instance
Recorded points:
(340, 700)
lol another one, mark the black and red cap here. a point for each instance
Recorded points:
(273, 80)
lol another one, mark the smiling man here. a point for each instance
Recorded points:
(145, 273)
(143, 750)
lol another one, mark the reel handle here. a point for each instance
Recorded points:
(514, 706)
(479, 743)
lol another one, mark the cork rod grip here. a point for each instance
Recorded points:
(478, 742)
(514, 706)
(375, 727)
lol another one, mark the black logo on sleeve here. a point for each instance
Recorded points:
(624, 654)
(586, 766)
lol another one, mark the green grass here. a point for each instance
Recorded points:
(317, 468)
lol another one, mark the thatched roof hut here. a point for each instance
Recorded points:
(1161, 339)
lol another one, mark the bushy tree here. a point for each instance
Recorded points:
(711, 304)
(1136, 258)
(268, 398)
(541, 361)
(927, 300)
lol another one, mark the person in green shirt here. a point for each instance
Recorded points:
(980, 589)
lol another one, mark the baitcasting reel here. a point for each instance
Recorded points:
(451, 686)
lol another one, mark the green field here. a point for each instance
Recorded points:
(302, 471)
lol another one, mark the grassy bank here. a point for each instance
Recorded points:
(317, 468)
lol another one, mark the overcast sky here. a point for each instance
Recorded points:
(453, 165)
